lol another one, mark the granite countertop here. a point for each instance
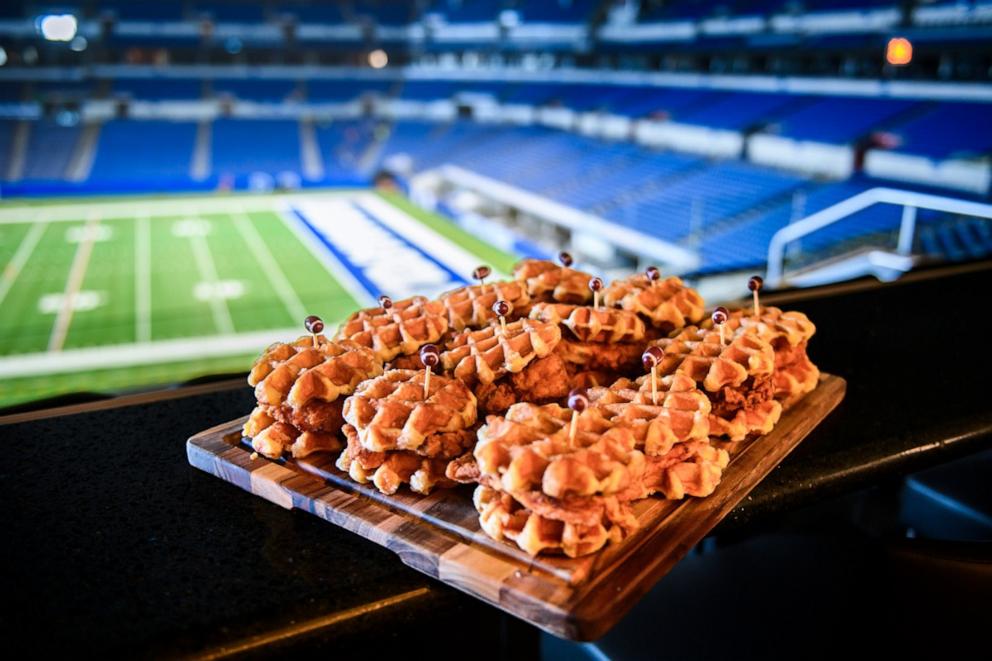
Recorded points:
(116, 545)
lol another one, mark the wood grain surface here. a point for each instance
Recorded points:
(439, 534)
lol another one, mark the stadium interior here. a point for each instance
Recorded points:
(182, 182)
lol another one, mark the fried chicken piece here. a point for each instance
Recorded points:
(410, 362)
(749, 395)
(621, 358)
(314, 416)
(464, 469)
(544, 380)
(495, 397)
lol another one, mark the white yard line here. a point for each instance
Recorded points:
(21, 257)
(208, 273)
(335, 268)
(72, 286)
(143, 279)
(127, 355)
(265, 259)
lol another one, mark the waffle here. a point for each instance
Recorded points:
(390, 470)
(530, 449)
(271, 438)
(668, 304)
(587, 324)
(737, 377)
(401, 329)
(700, 355)
(620, 358)
(391, 413)
(482, 356)
(543, 525)
(688, 469)
(472, 306)
(548, 282)
(681, 414)
(788, 333)
(297, 373)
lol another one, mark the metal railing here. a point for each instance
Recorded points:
(910, 201)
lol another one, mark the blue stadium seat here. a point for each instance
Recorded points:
(468, 11)
(556, 11)
(230, 12)
(166, 151)
(739, 110)
(49, 149)
(7, 128)
(818, 120)
(244, 146)
(159, 88)
(387, 12)
(342, 145)
(257, 89)
(328, 90)
(946, 129)
(143, 10)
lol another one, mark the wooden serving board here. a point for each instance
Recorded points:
(439, 534)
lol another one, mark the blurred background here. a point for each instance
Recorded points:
(183, 182)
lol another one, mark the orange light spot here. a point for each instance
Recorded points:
(899, 51)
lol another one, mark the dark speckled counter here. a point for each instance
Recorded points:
(114, 544)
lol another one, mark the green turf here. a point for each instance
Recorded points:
(177, 266)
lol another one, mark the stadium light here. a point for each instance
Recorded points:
(3, 56)
(378, 59)
(899, 51)
(58, 27)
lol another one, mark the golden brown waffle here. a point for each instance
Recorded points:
(297, 373)
(271, 438)
(701, 356)
(667, 303)
(472, 306)
(588, 324)
(530, 449)
(688, 469)
(795, 375)
(681, 414)
(546, 281)
(737, 377)
(482, 356)
(788, 333)
(574, 528)
(620, 358)
(390, 412)
(390, 470)
(401, 329)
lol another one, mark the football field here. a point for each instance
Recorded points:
(125, 293)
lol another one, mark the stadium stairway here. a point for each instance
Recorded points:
(81, 162)
(199, 168)
(18, 150)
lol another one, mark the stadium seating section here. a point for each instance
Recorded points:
(725, 209)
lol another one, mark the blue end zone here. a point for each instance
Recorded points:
(358, 271)
(454, 277)
(355, 271)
